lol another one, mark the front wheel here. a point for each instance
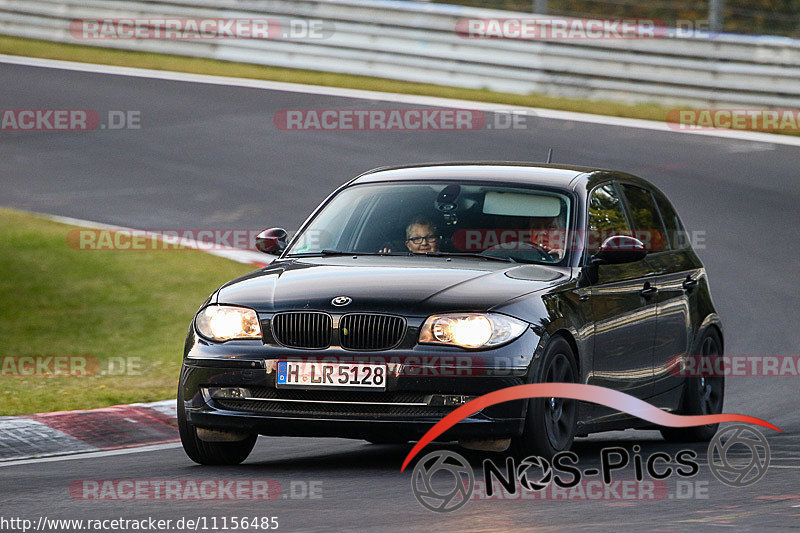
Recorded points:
(210, 453)
(550, 423)
(702, 395)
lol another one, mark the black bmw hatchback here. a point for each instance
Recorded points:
(410, 291)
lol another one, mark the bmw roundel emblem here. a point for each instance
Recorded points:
(341, 301)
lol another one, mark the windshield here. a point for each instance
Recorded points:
(523, 224)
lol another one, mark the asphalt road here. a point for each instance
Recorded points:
(210, 157)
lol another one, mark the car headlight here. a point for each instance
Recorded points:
(471, 330)
(225, 322)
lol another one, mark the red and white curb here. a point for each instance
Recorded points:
(68, 432)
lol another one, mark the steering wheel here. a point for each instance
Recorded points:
(526, 246)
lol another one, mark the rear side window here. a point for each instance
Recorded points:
(606, 216)
(675, 232)
(645, 217)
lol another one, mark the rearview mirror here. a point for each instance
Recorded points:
(272, 241)
(619, 249)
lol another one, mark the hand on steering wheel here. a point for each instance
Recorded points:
(523, 246)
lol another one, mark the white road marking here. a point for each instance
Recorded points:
(91, 455)
(434, 101)
(239, 255)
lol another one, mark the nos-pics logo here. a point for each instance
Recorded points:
(443, 481)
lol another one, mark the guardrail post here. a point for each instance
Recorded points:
(715, 15)
(540, 7)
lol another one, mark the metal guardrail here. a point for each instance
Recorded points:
(417, 42)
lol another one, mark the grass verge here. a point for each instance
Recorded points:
(128, 311)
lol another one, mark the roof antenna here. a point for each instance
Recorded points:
(549, 155)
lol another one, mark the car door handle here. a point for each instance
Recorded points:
(648, 291)
(689, 283)
(582, 294)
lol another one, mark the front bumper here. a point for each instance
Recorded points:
(419, 383)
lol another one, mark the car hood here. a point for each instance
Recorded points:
(401, 285)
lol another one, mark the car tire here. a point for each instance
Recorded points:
(702, 395)
(550, 423)
(210, 453)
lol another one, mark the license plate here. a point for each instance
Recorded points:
(331, 375)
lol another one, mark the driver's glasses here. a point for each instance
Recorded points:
(426, 238)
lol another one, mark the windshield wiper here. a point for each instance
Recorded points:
(342, 252)
(335, 252)
(339, 252)
(407, 254)
(471, 254)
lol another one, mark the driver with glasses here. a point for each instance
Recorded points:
(421, 236)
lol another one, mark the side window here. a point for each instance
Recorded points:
(645, 217)
(675, 232)
(606, 216)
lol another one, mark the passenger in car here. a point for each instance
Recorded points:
(545, 233)
(548, 233)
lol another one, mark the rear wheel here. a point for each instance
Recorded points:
(702, 395)
(210, 453)
(550, 423)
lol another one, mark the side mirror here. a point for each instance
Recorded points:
(619, 249)
(272, 241)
